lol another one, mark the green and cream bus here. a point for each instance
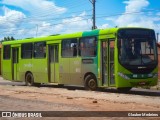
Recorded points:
(113, 57)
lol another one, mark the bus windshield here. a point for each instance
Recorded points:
(137, 50)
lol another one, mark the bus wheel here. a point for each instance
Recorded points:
(124, 89)
(29, 80)
(90, 83)
(37, 84)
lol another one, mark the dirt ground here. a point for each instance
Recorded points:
(16, 97)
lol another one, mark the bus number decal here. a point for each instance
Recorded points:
(28, 65)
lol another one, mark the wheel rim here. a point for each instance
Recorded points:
(29, 79)
(92, 84)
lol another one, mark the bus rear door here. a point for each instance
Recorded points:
(15, 65)
(54, 63)
(111, 63)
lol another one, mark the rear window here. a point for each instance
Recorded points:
(6, 52)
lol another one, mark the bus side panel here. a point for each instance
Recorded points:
(40, 70)
(64, 71)
(25, 65)
(7, 69)
(75, 71)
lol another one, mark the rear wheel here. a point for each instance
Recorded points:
(29, 80)
(90, 82)
(37, 84)
(60, 85)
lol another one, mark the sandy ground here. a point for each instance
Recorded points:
(16, 97)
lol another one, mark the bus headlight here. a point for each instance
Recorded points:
(123, 76)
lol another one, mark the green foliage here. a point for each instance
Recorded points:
(8, 39)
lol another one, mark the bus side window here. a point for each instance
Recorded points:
(69, 48)
(6, 52)
(88, 47)
(40, 50)
(26, 49)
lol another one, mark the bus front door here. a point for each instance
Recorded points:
(107, 63)
(104, 63)
(111, 63)
(54, 63)
(15, 60)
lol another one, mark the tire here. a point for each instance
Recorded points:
(124, 89)
(29, 80)
(90, 83)
(37, 84)
(60, 85)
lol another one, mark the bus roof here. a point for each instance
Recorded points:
(67, 36)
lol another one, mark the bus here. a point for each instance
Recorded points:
(115, 57)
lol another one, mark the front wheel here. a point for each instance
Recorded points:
(90, 82)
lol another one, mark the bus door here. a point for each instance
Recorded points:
(111, 63)
(107, 63)
(104, 55)
(15, 60)
(54, 63)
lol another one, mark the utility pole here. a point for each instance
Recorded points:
(157, 37)
(94, 16)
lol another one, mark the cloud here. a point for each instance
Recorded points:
(41, 20)
(158, 14)
(142, 19)
(10, 20)
(69, 25)
(36, 7)
(135, 5)
(17, 22)
(104, 26)
(136, 15)
(133, 15)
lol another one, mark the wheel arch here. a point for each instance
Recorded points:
(90, 73)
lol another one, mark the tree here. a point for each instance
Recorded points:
(5, 39)
(12, 38)
(8, 39)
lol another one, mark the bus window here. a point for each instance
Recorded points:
(40, 50)
(56, 54)
(6, 52)
(69, 48)
(88, 47)
(26, 49)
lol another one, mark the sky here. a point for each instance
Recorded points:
(34, 18)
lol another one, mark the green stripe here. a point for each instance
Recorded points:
(90, 33)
